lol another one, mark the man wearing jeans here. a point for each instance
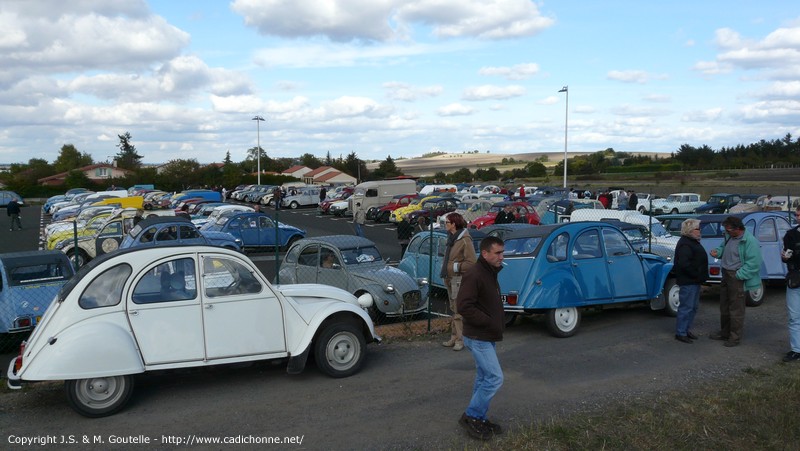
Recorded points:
(480, 306)
(791, 256)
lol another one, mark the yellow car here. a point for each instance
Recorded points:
(91, 227)
(401, 212)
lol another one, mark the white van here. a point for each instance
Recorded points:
(659, 234)
(379, 193)
(427, 190)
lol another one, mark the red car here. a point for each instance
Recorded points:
(325, 205)
(522, 210)
(381, 214)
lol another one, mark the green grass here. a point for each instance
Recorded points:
(757, 409)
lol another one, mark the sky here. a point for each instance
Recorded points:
(397, 78)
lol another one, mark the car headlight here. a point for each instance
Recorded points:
(422, 281)
(389, 288)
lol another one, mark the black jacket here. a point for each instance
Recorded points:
(792, 241)
(12, 208)
(479, 303)
(504, 218)
(691, 262)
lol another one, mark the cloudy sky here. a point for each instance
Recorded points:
(393, 77)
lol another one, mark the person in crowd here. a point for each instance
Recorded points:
(328, 259)
(570, 208)
(740, 258)
(13, 212)
(404, 233)
(633, 200)
(506, 215)
(359, 218)
(459, 256)
(691, 269)
(422, 225)
(604, 199)
(277, 197)
(622, 200)
(323, 193)
(138, 216)
(791, 256)
(522, 192)
(482, 309)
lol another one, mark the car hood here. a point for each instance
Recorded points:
(383, 275)
(310, 298)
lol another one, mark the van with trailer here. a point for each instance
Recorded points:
(379, 193)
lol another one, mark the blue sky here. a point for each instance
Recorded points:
(391, 77)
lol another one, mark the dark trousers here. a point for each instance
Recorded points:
(731, 306)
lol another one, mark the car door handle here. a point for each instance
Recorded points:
(133, 312)
(209, 306)
(609, 261)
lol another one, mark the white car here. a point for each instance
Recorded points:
(677, 203)
(148, 309)
(340, 208)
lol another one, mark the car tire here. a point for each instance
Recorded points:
(563, 322)
(671, 297)
(99, 396)
(642, 210)
(289, 243)
(79, 258)
(754, 298)
(384, 217)
(674, 211)
(294, 205)
(340, 349)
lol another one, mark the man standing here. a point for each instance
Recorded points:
(622, 200)
(791, 256)
(482, 311)
(740, 258)
(359, 218)
(404, 233)
(323, 193)
(506, 215)
(12, 210)
(277, 196)
(633, 200)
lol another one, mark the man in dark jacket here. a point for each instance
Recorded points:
(12, 209)
(482, 310)
(506, 215)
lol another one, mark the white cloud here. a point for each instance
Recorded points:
(585, 109)
(516, 72)
(778, 50)
(408, 93)
(657, 98)
(709, 115)
(455, 109)
(633, 76)
(492, 92)
(549, 100)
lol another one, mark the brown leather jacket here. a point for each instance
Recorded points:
(462, 253)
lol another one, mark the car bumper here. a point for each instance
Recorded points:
(13, 381)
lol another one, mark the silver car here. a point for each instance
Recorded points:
(355, 265)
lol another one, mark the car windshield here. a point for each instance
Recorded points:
(673, 198)
(715, 199)
(521, 246)
(357, 256)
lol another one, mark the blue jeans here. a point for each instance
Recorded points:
(793, 308)
(488, 378)
(359, 229)
(689, 296)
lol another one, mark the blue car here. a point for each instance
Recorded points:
(173, 230)
(560, 269)
(256, 230)
(768, 228)
(29, 281)
(417, 260)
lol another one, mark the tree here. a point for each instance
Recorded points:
(461, 175)
(535, 169)
(76, 179)
(310, 161)
(386, 169)
(69, 158)
(127, 158)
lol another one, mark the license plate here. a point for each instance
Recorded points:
(504, 299)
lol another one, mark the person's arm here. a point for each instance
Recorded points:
(467, 303)
(751, 261)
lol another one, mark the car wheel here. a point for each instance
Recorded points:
(79, 258)
(563, 322)
(384, 217)
(290, 242)
(674, 211)
(148, 207)
(340, 349)
(672, 298)
(99, 396)
(377, 316)
(754, 298)
(642, 210)
(510, 319)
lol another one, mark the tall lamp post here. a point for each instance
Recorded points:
(258, 120)
(566, 121)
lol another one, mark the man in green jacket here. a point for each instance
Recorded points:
(740, 258)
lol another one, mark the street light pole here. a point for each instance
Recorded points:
(258, 120)
(566, 121)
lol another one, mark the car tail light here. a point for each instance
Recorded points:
(24, 322)
(511, 298)
(18, 362)
(714, 270)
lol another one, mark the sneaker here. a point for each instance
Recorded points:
(683, 339)
(791, 356)
(718, 336)
(730, 344)
(691, 335)
(449, 343)
(496, 428)
(458, 346)
(475, 428)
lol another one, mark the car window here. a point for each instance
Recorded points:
(114, 228)
(168, 234)
(31, 273)
(750, 226)
(557, 251)
(226, 277)
(615, 243)
(783, 227)
(265, 222)
(587, 245)
(361, 255)
(189, 232)
(309, 256)
(291, 256)
(441, 245)
(148, 235)
(168, 282)
(711, 229)
(414, 245)
(766, 230)
(328, 259)
(106, 289)
(425, 246)
(522, 246)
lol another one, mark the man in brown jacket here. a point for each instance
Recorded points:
(482, 309)
(459, 256)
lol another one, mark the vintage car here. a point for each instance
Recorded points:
(672, 223)
(525, 213)
(782, 203)
(750, 202)
(160, 308)
(340, 208)
(86, 228)
(8, 196)
(325, 205)
(469, 209)
(383, 212)
(219, 211)
(417, 261)
(28, 282)
(78, 221)
(256, 230)
(171, 231)
(433, 209)
(355, 265)
(718, 203)
(676, 203)
(768, 228)
(302, 197)
(414, 205)
(561, 269)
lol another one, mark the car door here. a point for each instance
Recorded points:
(266, 231)
(624, 267)
(242, 316)
(590, 270)
(769, 233)
(330, 270)
(423, 258)
(109, 238)
(165, 313)
(307, 263)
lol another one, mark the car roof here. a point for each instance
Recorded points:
(749, 215)
(154, 220)
(338, 241)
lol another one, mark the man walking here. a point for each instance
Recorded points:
(359, 218)
(12, 210)
(740, 258)
(480, 306)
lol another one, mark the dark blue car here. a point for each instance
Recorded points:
(256, 230)
(172, 230)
